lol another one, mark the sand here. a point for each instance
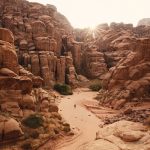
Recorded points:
(82, 121)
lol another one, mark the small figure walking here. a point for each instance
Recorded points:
(75, 106)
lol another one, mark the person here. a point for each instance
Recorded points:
(75, 106)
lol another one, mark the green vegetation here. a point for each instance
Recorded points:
(63, 89)
(66, 127)
(33, 121)
(95, 85)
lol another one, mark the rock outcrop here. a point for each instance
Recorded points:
(121, 135)
(117, 54)
(38, 35)
(22, 98)
(130, 75)
(94, 63)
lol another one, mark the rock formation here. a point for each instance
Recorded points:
(38, 32)
(130, 75)
(117, 54)
(120, 135)
(23, 98)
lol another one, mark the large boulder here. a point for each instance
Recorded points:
(10, 129)
(125, 135)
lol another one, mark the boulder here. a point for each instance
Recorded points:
(6, 35)
(10, 129)
(130, 136)
(125, 135)
(38, 29)
(27, 101)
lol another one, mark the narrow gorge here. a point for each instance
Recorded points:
(63, 88)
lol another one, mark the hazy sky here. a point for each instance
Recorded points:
(87, 13)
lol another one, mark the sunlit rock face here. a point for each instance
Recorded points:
(120, 135)
(38, 32)
(22, 98)
(129, 79)
(122, 51)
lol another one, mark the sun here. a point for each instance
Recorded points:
(93, 30)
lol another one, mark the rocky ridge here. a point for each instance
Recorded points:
(28, 113)
(124, 62)
(38, 36)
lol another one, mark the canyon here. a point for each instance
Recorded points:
(40, 49)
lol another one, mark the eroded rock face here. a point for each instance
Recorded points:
(21, 97)
(9, 129)
(8, 57)
(6, 35)
(120, 135)
(130, 75)
(117, 54)
(38, 32)
(125, 135)
(94, 63)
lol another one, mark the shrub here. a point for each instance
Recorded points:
(66, 129)
(96, 85)
(63, 89)
(33, 121)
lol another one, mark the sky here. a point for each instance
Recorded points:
(89, 13)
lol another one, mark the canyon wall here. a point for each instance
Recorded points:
(38, 36)
(118, 55)
(49, 47)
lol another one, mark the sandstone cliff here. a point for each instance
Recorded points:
(38, 36)
(26, 110)
(118, 54)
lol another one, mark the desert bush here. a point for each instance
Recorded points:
(33, 121)
(66, 129)
(95, 85)
(63, 89)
